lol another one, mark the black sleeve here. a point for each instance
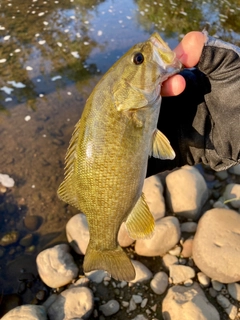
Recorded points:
(203, 123)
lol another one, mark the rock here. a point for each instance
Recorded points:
(77, 232)
(9, 302)
(6, 181)
(56, 266)
(159, 283)
(166, 235)
(74, 303)
(27, 240)
(142, 272)
(81, 282)
(186, 192)
(33, 223)
(180, 273)
(188, 303)
(235, 170)
(96, 276)
(203, 279)
(232, 191)
(216, 245)
(41, 295)
(222, 175)
(26, 312)
(232, 311)
(153, 191)
(175, 251)
(190, 227)
(136, 298)
(50, 300)
(110, 308)
(223, 301)
(187, 248)
(168, 260)
(216, 285)
(234, 290)
(123, 238)
(140, 317)
(9, 238)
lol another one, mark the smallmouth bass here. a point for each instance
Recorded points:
(106, 161)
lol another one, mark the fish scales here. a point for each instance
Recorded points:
(107, 158)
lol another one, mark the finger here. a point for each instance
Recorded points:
(190, 48)
(173, 86)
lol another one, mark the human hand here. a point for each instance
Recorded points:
(188, 52)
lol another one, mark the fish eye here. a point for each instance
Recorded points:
(138, 58)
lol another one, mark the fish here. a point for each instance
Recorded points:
(106, 161)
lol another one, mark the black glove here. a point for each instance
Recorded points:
(203, 123)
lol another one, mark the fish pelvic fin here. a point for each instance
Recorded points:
(140, 223)
(161, 147)
(115, 262)
(66, 190)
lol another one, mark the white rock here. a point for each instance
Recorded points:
(81, 282)
(188, 303)
(6, 181)
(142, 272)
(235, 169)
(232, 191)
(175, 251)
(74, 303)
(180, 273)
(216, 245)
(168, 260)
(123, 238)
(77, 232)
(234, 290)
(56, 266)
(153, 191)
(223, 301)
(166, 235)
(188, 227)
(144, 303)
(159, 283)
(26, 312)
(110, 308)
(132, 305)
(137, 299)
(186, 192)
(232, 311)
(96, 275)
(203, 279)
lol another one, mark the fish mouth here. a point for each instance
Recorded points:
(164, 56)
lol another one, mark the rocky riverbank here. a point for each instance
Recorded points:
(189, 269)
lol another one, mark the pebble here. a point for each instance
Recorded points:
(153, 190)
(96, 276)
(77, 232)
(232, 311)
(136, 298)
(222, 175)
(9, 238)
(56, 266)
(161, 241)
(26, 312)
(216, 285)
(169, 260)
(232, 191)
(159, 283)
(142, 272)
(189, 227)
(140, 317)
(213, 293)
(223, 301)
(188, 303)
(186, 192)
(180, 273)
(74, 303)
(187, 248)
(203, 279)
(216, 245)
(175, 251)
(27, 240)
(33, 223)
(132, 306)
(144, 303)
(235, 170)
(234, 290)
(110, 308)
(123, 238)
(6, 181)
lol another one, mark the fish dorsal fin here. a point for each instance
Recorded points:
(161, 147)
(140, 223)
(127, 98)
(65, 190)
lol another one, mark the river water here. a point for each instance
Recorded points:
(52, 53)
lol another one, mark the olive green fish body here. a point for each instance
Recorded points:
(107, 158)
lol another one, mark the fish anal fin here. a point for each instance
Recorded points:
(65, 190)
(161, 147)
(140, 222)
(115, 262)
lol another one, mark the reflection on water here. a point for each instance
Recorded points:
(52, 53)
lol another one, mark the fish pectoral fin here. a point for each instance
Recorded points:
(140, 223)
(115, 262)
(161, 147)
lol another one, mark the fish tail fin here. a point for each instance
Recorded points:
(115, 262)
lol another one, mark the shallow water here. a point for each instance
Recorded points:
(52, 53)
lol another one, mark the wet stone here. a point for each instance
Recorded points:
(32, 223)
(9, 238)
(27, 240)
